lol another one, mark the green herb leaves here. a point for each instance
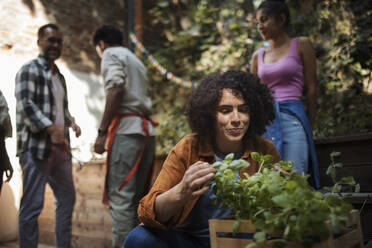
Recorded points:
(277, 201)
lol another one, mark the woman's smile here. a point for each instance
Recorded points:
(235, 131)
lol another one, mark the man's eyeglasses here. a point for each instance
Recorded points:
(55, 40)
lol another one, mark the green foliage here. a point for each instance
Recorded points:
(169, 102)
(345, 184)
(192, 38)
(277, 201)
(171, 129)
(342, 39)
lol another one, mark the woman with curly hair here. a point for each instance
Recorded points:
(227, 113)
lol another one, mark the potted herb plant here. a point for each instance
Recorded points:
(276, 207)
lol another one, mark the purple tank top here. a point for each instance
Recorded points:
(284, 77)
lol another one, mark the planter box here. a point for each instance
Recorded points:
(363, 202)
(351, 238)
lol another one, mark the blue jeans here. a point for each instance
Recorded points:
(294, 146)
(57, 171)
(144, 237)
(294, 137)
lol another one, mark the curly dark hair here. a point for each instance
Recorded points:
(201, 110)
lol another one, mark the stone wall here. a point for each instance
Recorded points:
(77, 19)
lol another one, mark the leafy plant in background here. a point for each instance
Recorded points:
(174, 125)
(344, 107)
(345, 184)
(192, 38)
(342, 39)
(169, 101)
(278, 202)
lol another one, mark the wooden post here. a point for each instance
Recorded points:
(138, 19)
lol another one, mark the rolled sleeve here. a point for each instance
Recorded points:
(113, 70)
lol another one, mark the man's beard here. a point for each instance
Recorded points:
(52, 56)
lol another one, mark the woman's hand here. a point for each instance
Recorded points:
(193, 182)
(192, 185)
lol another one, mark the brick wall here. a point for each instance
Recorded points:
(77, 19)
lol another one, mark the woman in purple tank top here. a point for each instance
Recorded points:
(287, 66)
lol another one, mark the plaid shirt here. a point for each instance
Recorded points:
(34, 111)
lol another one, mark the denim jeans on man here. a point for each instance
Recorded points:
(57, 171)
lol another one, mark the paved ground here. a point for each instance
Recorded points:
(15, 245)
